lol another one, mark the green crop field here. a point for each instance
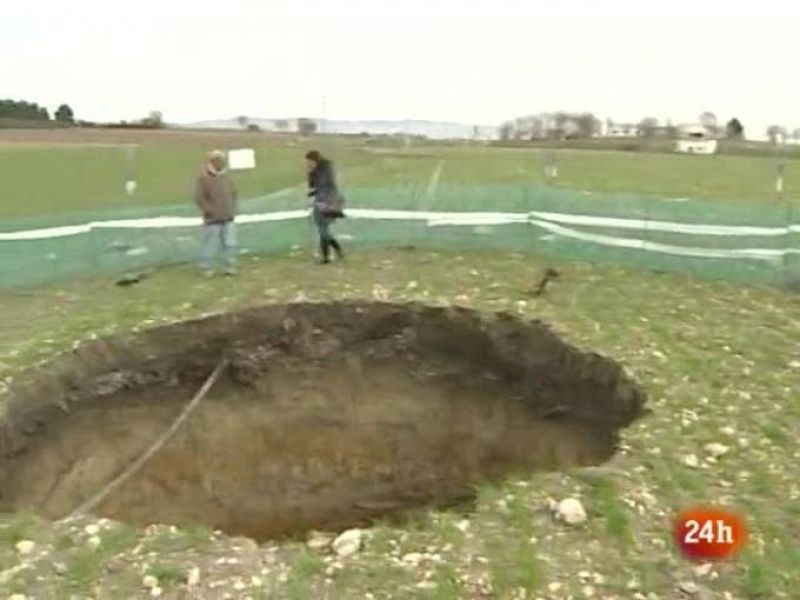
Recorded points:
(86, 170)
(719, 361)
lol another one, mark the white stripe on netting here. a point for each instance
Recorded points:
(500, 218)
(666, 226)
(434, 219)
(764, 254)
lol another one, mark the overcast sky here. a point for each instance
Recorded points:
(474, 61)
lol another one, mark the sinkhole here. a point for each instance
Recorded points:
(324, 416)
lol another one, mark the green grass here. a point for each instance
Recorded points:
(514, 565)
(50, 180)
(715, 350)
(86, 564)
(447, 585)
(757, 578)
(307, 566)
(18, 528)
(168, 575)
(92, 178)
(604, 496)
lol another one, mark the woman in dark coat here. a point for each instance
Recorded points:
(327, 202)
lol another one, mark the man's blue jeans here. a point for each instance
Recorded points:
(222, 236)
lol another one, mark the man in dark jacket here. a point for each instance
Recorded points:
(215, 196)
(327, 202)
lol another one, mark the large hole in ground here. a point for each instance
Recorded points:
(328, 416)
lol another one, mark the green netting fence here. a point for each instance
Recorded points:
(739, 241)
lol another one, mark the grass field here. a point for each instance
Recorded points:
(85, 171)
(720, 362)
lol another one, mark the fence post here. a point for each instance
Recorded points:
(779, 180)
(550, 166)
(130, 171)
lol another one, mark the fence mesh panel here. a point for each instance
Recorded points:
(756, 242)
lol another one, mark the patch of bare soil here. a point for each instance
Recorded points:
(76, 136)
(328, 416)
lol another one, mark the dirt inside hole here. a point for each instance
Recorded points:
(328, 416)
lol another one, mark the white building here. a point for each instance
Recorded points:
(696, 139)
(622, 130)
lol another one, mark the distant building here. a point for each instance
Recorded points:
(696, 139)
(622, 130)
(695, 132)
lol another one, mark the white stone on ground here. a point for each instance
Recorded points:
(348, 543)
(412, 559)
(716, 450)
(571, 511)
(25, 547)
(318, 540)
(691, 461)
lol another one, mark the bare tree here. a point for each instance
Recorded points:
(536, 128)
(648, 126)
(709, 121)
(670, 130)
(796, 134)
(588, 125)
(242, 121)
(155, 119)
(775, 132)
(306, 126)
(506, 131)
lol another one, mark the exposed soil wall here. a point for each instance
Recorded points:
(328, 415)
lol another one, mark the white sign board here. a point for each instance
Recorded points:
(241, 159)
(696, 146)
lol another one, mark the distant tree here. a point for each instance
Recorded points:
(734, 129)
(506, 131)
(670, 130)
(796, 134)
(306, 126)
(709, 121)
(648, 126)
(537, 127)
(587, 125)
(154, 120)
(520, 129)
(64, 114)
(23, 111)
(253, 127)
(775, 132)
(242, 121)
(282, 125)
